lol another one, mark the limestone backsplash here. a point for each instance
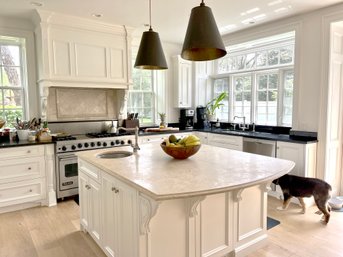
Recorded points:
(75, 104)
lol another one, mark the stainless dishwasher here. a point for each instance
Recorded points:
(259, 146)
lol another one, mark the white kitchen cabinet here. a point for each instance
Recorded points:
(90, 203)
(183, 82)
(304, 156)
(159, 138)
(226, 141)
(26, 177)
(82, 53)
(119, 220)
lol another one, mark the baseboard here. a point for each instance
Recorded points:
(18, 207)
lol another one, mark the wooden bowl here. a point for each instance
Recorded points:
(180, 152)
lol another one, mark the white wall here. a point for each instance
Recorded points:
(308, 58)
(24, 29)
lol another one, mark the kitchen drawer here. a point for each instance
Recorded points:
(21, 151)
(22, 192)
(21, 169)
(226, 141)
(90, 170)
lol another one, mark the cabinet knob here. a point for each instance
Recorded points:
(29, 168)
(28, 151)
(87, 187)
(115, 190)
(30, 190)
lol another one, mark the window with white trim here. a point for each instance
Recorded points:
(258, 75)
(13, 79)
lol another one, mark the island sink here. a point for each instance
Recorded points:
(114, 154)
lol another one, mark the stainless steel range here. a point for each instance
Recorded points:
(66, 160)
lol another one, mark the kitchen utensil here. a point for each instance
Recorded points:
(114, 127)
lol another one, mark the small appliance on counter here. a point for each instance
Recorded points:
(186, 120)
(201, 117)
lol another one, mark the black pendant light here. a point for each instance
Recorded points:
(150, 53)
(203, 41)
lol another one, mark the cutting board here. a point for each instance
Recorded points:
(161, 129)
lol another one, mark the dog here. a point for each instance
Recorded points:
(295, 186)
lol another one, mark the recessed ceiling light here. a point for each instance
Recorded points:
(227, 28)
(97, 15)
(275, 2)
(248, 21)
(282, 9)
(36, 4)
(259, 17)
(250, 11)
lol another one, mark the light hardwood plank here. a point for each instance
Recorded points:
(55, 232)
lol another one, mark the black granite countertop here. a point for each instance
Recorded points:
(22, 143)
(248, 134)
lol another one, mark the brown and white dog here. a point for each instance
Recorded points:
(295, 186)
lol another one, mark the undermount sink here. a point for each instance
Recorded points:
(114, 154)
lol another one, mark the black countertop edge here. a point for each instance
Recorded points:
(248, 134)
(23, 143)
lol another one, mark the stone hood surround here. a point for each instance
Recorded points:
(74, 52)
(212, 170)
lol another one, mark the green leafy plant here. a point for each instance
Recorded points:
(215, 103)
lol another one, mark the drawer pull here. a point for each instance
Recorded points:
(29, 168)
(115, 190)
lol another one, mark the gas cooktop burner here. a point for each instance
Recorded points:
(101, 135)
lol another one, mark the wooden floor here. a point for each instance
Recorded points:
(54, 231)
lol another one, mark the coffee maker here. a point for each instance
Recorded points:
(201, 117)
(186, 119)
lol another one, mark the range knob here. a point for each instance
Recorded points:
(79, 145)
(86, 145)
(117, 142)
(122, 142)
(104, 144)
(113, 143)
(73, 147)
(129, 141)
(98, 144)
(92, 144)
(64, 148)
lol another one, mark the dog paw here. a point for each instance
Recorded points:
(280, 208)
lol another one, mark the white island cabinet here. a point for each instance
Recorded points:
(152, 205)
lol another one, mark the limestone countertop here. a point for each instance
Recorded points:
(211, 170)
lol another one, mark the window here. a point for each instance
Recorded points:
(12, 79)
(259, 77)
(141, 98)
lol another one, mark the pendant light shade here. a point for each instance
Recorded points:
(203, 41)
(150, 53)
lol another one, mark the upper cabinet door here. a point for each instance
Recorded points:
(183, 82)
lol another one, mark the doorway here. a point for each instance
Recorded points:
(333, 152)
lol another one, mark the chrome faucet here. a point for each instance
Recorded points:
(136, 130)
(242, 126)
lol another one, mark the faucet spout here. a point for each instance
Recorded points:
(135, 146)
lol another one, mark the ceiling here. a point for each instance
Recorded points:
(169, 17)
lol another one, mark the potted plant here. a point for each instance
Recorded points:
(213, 105)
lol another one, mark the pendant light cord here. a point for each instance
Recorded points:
(150, 14)
(202, 3)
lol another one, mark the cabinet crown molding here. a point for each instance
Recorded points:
(58, 19)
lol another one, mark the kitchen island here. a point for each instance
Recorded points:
(151, 205)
